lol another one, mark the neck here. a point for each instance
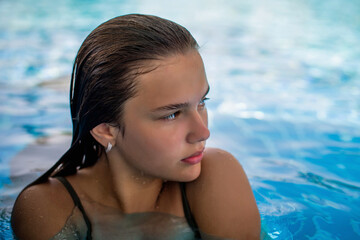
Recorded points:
(131, 191)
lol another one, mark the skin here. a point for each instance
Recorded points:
(142, 171)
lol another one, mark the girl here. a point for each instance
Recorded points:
(137, 167)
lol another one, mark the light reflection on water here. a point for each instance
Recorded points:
(285, 95)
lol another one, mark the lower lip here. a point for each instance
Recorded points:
(193, 160)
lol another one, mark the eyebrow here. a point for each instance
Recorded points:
(177, 106)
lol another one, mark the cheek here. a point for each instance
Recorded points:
(156, 140)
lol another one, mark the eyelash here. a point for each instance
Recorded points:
(175, 114)
(171, 116)
(202, 102)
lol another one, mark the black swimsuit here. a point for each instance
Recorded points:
(188, 215)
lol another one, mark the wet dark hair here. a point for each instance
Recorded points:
(104, 78)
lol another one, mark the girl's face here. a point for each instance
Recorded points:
(166, 122)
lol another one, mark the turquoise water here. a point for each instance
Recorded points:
(285, 97)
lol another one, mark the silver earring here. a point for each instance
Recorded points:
(109, 147)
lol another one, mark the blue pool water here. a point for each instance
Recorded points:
(285, 96)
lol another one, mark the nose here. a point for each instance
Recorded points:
(198, 127)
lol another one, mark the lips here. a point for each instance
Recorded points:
(194, 158)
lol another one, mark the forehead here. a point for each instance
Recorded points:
(176, 78)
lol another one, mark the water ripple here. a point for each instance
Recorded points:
(5, 229)
(331, 184)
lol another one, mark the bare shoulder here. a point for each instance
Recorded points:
(221, 198)
(40, 211)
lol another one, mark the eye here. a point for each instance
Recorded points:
(171, 116)
(202, 102)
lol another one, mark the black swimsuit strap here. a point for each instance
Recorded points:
(77, 203)
(187, 211)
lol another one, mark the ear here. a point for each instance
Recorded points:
(104, 133)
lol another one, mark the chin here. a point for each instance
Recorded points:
(191, 174)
